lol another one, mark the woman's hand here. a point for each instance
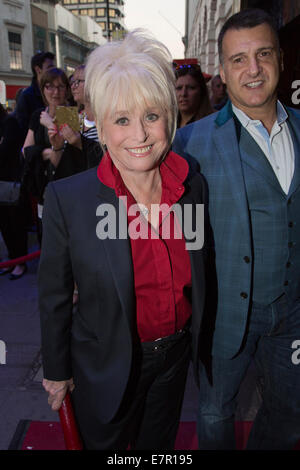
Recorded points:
(47, 154)
(57, 391)
(54, 157)
(55, 138)
(72, 137)
(46, 120)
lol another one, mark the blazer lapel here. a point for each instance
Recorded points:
(118, 251)
(294, 126)
(226, 144)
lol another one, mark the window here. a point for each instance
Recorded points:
(39, 38)
(101, 12)
(112, 13)
(83, 12)
(91, 12)
(103, 26)
(67, 2)
(15, 50)
(75, 12)
(52, 42)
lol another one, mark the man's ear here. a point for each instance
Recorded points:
(222, 74)
(37, 70)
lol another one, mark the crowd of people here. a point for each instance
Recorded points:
(151, 138)
(34, 151)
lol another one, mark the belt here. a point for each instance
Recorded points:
(166, 341)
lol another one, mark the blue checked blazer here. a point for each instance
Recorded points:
(213, 143)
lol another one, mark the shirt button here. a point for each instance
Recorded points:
(288, 264)
(290, 244)
(244, 295)
(291, 224)
(286, 283)
(246, 259)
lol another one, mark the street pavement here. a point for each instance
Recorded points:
(21, 394)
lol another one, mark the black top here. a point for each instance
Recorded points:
(10, 147)
(73, 160)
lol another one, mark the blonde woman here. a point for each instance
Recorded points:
(125, 353)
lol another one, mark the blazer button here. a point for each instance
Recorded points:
(286, 283)
(244, 295)
(246, 259)
(291, 224)
(290, 244)
(288, 264)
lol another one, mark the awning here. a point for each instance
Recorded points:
(11, 91)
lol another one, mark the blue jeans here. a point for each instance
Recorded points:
(271, 332)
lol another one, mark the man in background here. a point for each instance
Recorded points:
(31, 98)
(219, 96)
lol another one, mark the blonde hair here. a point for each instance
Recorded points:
(133, 73)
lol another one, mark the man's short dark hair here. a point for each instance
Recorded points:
(38, 60)
(249, 18)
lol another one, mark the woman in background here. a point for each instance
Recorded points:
(43, 161)
(192, 94)
(87, 140)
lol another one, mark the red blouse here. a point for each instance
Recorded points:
(161, 263)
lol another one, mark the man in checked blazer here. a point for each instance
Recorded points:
(249, 154)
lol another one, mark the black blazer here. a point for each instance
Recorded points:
(95, 345)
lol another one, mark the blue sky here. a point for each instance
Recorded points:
(164, 18)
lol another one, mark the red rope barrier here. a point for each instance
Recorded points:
(68, 424)
(21, 260)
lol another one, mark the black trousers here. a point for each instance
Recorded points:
(14, 231)
(149, 415)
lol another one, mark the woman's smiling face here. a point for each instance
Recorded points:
(137, 140)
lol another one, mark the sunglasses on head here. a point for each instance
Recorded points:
(186, 66)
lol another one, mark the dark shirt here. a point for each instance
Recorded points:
(218, 106)
(10, 147)
(29, 100)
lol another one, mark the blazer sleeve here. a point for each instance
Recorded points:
(56, 285)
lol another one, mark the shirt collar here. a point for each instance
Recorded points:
(173, 169)
(246, 121)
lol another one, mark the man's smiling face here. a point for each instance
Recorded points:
(251, 66)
